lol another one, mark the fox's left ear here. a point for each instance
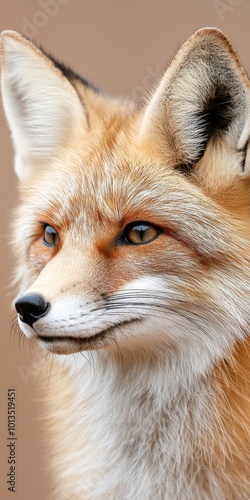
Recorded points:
(42, 107)
(204, 95)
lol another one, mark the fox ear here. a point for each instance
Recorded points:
(203, 94)
(41, 105)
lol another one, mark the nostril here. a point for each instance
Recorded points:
(31, 307)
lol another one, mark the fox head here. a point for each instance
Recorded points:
(133, 230)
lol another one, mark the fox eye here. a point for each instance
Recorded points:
(138, 233)
(50, 236)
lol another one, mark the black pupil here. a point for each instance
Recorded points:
(140, 231)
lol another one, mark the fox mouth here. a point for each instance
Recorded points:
(69, 344)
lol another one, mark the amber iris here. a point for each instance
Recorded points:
(138, 233)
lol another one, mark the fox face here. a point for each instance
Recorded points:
(132, 244)
(133, 228)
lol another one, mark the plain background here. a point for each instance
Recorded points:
(121, 45)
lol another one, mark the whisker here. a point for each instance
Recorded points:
(51, 364)
(150, 304)
(85, 357)
(42, 367)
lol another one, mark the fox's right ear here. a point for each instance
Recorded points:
(42, 107)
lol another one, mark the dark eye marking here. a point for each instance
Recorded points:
(138, 233)
(50, 236)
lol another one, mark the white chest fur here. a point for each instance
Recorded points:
(131, 432)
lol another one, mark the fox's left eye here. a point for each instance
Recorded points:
(138, 233)
(50, 236)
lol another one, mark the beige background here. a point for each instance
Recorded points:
(120, 45)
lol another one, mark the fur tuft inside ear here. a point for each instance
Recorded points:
(204, 94)
(42, 107)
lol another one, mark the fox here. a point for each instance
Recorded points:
(132, 248)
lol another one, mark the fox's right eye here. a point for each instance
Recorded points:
(50, 236)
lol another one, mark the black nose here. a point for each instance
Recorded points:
(31, 307)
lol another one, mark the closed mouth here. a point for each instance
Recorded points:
(81, 341)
